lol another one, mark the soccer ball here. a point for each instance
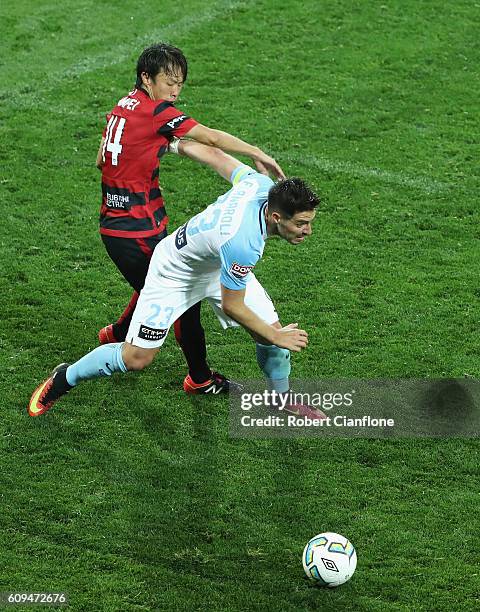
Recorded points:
(329, 559)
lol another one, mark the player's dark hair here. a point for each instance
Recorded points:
(292, 196)
(161, 58)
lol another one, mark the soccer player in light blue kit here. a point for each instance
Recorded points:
(210, 258)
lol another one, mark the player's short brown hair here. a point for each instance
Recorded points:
(292, 196)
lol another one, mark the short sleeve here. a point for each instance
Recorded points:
(263, 183)
(241, 172)
(171, 122)
(238, 260)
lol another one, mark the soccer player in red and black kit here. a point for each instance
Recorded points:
(139, 130)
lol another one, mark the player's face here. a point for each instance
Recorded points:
(164, 86)
(297, 228)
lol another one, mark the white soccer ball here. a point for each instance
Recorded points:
(329, 559)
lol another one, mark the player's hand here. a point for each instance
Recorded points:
(267, 165)
(291, 338)
(261, 168)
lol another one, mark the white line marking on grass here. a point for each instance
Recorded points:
(351, 169)
(120, 53)
(184, 26)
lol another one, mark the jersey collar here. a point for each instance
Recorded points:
(144, 91)
(262, 221)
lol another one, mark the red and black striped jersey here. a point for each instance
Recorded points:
(136, 136)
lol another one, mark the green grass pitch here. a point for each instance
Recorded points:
(131, 496)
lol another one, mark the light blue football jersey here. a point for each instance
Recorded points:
(228, 237)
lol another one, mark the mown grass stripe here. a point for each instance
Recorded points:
(29, 96)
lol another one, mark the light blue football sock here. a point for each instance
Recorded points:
(102, 361)
(275, 364)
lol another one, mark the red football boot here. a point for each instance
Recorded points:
(105, 335)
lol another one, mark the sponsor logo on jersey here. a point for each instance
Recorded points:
(181, 237)
(176, 120)
(115, 200)
(148, 333)
(239, 271)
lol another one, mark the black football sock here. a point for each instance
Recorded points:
(191, 338)
(59, 386)
(195, 353)
(120, 327)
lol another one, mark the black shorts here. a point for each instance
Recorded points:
(132, 256)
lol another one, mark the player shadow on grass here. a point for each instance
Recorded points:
(449, 406)
(183, 475)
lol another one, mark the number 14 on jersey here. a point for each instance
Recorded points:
(115, 127)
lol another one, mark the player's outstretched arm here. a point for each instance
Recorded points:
(289, 337)
(216, 138)
(219, 161)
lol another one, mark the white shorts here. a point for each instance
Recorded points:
(163, 300)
